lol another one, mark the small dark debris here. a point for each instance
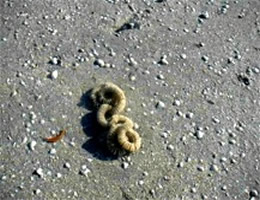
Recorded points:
(128, 26)
(160, 1)
(199, 45)
(202, 16)
(81, 50)
(147, 11)
(243, 79)
(210, 102)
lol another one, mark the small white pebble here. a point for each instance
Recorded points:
(136, 126)
(67, 165)
(84, 170)
(54, 74)
(32, 145)
(232, 141)
(145, 173)
(132, 61)
(107, 65)
(160, 104)
(193, 190)
(160, 77)
(205, 58)
(163, 60)
(204, 15)
(99, 62)
(32, 115)
(189, 115)
(199, 134)
(146, 72)
(37, 191)
(14, 93)
(177, 102)
(183, 138)
(54, 61)
(200, 168)
(180, 164)
(52, 151)
(66, 17)
(170, 147)
(39, 172)
(141, 182)
(132, 78)
(224, 187)
(25, 139)
(59, 175)
(223, 159)
(183, 56)
(125, 165)
(214, 168)
(164, 135)
(256, 70)
(215, 120)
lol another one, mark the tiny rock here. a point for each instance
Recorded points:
(54, 74)
(125, 165)
(39, 172)
(84, 170)
(99, 62)
(160, 104)
(199, 134)
(32, 145)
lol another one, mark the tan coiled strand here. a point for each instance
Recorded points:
(110, 101)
